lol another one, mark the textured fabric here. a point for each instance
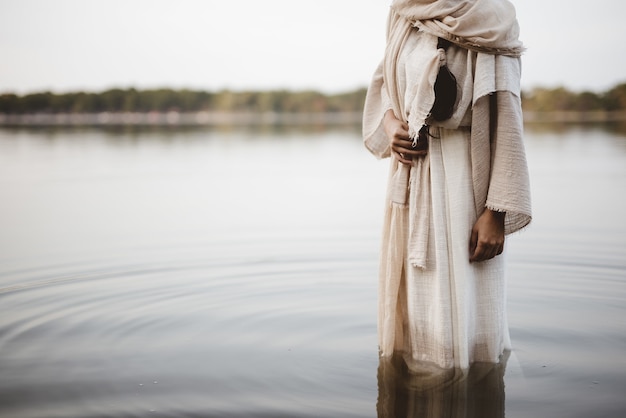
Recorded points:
(451, 312)
(434, 306)
(481, 25)
(479, 76)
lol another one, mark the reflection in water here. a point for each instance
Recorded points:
(453, 393)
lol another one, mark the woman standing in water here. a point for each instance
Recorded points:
(444, 104)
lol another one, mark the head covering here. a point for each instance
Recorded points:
(488, 26)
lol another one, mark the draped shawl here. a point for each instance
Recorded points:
(489, 85)
(480, 25)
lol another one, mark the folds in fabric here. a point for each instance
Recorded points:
(488, 26)
(488, 115)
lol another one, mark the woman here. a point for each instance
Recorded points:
(458, 181)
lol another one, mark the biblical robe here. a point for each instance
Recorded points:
(435, 307)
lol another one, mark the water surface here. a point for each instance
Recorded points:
(232, 273)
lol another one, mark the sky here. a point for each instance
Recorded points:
(328, 45)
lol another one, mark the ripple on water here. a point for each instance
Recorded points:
(284, 331)
(566, 305)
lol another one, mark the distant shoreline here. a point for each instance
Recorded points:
(257, 118)
(180, 119)
(569, 116)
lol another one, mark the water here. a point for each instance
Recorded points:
(232, 273)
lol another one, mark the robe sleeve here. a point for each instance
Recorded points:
(376, 104)
(509, 184)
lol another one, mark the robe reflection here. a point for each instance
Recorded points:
(477, 392)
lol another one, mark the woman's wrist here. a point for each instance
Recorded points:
(497, 215)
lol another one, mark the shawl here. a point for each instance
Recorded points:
(499, 171)
(486, 26)
(480, 25)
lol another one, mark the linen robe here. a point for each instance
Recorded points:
(435, 307)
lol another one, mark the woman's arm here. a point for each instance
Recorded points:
(487, 238)
(507, 207)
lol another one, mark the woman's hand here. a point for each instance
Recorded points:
(401, 145)
(487, 239)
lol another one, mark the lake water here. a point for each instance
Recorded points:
(232, 273)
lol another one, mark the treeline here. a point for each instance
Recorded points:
(278, 101)
(560, 99)
(168, 100)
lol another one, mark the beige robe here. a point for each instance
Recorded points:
(434, 306)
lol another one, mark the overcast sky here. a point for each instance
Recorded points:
(332, 45)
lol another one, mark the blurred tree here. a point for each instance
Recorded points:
(545, 100)
(131, 101)
(305, 101)
(615, 98)
(10, 103)
(37, 102)
(588, 101)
